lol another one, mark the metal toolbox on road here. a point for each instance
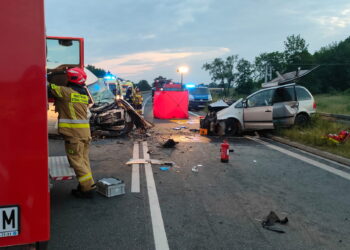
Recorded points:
(110, 187)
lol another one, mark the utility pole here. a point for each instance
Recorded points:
(268, 72)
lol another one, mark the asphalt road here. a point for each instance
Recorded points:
(219, 207)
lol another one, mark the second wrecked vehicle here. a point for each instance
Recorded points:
(109, 116)
(268, 108)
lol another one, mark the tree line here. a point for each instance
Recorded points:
(333, 73)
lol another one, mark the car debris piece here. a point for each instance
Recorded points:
(151, 161)
(170, 143)
(164, 168)
(195, 169)
(271, 219)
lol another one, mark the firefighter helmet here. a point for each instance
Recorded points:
(76, 75)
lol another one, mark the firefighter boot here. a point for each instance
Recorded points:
(77, 193)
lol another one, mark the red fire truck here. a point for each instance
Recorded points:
(28, 56)
(24, 195)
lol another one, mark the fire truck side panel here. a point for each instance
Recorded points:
(24, 184)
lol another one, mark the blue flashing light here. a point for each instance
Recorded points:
(110, 77)
(190, 86)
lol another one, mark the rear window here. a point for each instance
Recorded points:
(199, 91)
(302, 94)
(285, 94)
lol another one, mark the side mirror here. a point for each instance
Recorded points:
(244, 103)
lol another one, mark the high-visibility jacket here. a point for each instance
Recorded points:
(137, 99)
(72, 111)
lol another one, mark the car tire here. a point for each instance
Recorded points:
(231, 127)
(302, 120)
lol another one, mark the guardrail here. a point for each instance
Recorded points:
(336, 116)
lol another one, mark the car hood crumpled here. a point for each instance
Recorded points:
(230, 111)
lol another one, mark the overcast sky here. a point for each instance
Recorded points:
(142, 39)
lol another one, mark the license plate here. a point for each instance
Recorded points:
(9, 221)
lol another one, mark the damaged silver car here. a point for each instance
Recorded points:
(268, 108)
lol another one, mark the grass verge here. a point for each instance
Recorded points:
(313, 135)
(334, 103)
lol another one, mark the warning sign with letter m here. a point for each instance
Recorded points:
(9, 221)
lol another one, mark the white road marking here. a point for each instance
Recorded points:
(144, 104)
(193, 113)
(160, 238)
(303, 158)
(135, 175)
(319, 157)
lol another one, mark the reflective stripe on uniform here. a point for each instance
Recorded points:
(72, 121)
(85, 177)
(75, 97)
(73, 125)
(72, 111)
(57, 89)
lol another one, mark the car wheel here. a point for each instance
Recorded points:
(231, 127)
(302, 120)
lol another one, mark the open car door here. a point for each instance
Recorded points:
(285, 106)
(61, 53)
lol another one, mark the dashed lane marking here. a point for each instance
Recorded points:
(160, 238)
(303, 158)
(135, 174)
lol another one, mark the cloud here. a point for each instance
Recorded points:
(138, 63)
(182, 12)
(147, 36)
(334, 22)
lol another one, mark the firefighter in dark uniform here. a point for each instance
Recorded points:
(71, 103)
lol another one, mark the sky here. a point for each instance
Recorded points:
(143, 39)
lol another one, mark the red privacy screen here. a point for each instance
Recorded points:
(170, 104)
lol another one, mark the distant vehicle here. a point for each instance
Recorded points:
(199, 97)
(114, 85)
(282, 105)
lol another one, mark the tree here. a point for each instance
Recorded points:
(296, 53)
(213, 85)
(143, 85)
(244, 81)
(223, 71)
(97, 71)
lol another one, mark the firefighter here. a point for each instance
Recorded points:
(71, 103)
(128, 95)
(137, 100)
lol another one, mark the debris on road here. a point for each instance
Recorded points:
(151, 161)
(271, 219)
(194, 130)
(195, 169)
(170, 143)
(110, 187)
(164, 168)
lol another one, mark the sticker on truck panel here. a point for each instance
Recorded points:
(9, 221)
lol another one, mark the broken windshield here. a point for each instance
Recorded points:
(100, 92)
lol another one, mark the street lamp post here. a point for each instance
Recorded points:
(182, 70)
